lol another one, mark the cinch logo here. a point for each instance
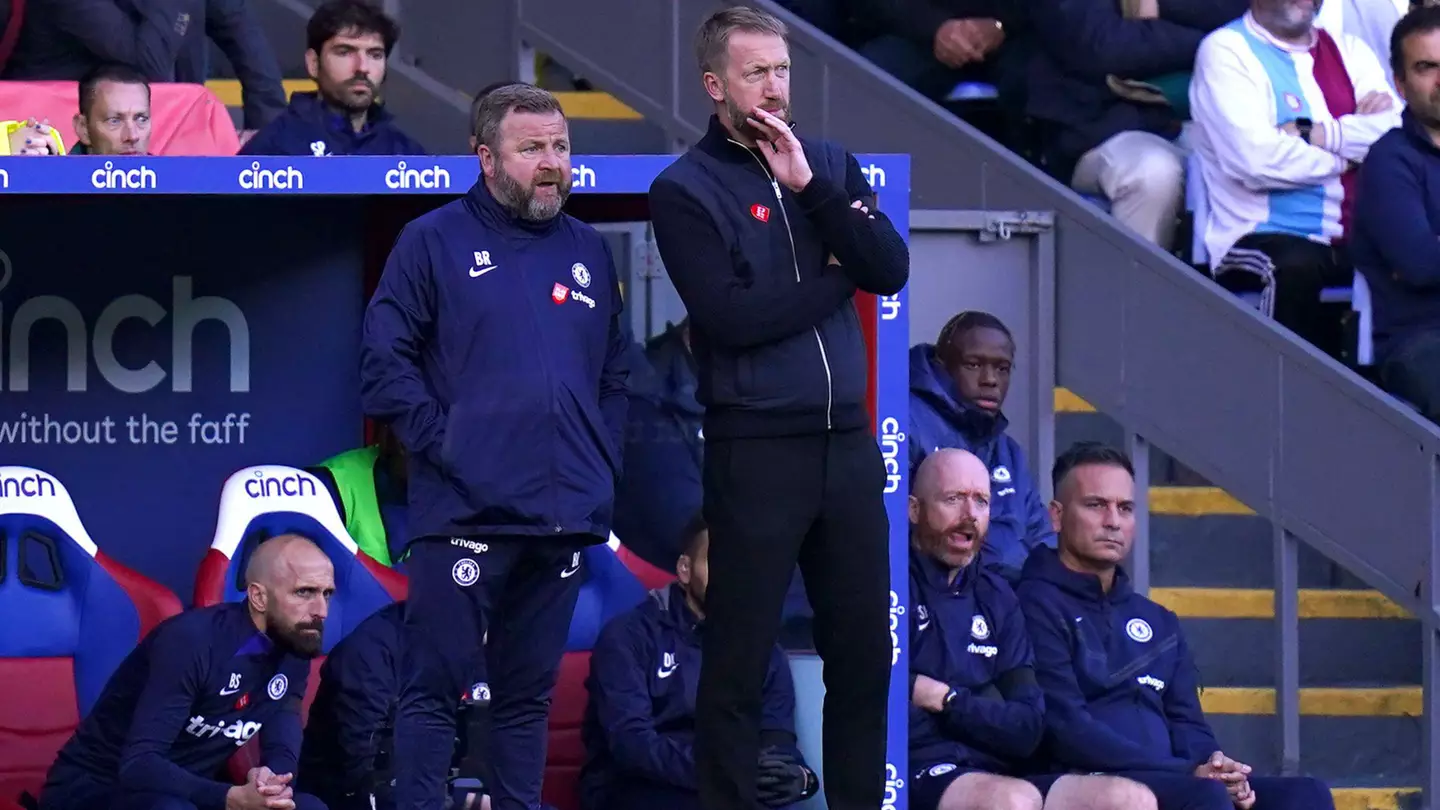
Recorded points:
(186, 313)
(896, 611)
(404, 177)
(4, 179)
(890, 440)
(290, 486)
(258, 179)
(893, 784)
(890, 307)
(111, 177)
(875, 175)
(582, 176)
(31, 486)
(239, 731)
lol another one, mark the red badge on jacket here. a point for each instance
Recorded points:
(559, 292)
(760, 212)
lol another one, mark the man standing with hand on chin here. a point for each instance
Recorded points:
(767, 238)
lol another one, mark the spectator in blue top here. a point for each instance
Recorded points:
(1397, 222)
(640, 723)
(348, 45)
(1121, 688)
(957, 388)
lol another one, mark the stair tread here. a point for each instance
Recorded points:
(1320, 701)
(1367, 798)
(1259, 603)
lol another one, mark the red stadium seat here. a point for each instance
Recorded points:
(261, 502)
(187, 119)
(82, 614)
(649, 576)
(567, 749)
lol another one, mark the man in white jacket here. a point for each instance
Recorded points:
(1284, 113)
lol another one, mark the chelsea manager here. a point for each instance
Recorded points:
(767, 238)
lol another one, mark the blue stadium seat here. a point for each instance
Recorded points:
(72, 615)
(609, 590)
(262, 502)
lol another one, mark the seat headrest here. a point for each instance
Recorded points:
(28, 491)
(267, 490)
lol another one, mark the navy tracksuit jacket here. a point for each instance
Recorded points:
(307, 128)
(639, 727)
(970, 634)
(940, 418)
(194, 691)
(1122, 692)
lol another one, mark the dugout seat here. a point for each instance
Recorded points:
(187, 118)
(73, 614)
(649, 575)
(610, 589)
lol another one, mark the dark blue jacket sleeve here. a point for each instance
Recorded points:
(233, 27)
(1073, 736)
(1190, 735)
(1010, 721)
(732, 311)
(868, 247)
(777, 722)
(149, 40)
(281, 736)
(266, 141)
(1090, 38)
(176, 678)
(1039, 530)
(1390, 209)
(615, 374)
(365, 675)
(412, 146)
(622, 703)
(398, 322)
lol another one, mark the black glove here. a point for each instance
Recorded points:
(783, 780)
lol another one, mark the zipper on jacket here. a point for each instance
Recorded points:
(795, 263)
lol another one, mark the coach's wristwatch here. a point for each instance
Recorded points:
(1303, 126)
(949, 696)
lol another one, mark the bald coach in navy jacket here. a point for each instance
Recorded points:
(199, 687)
(640, 724)
(1121, 688)
(493, 347)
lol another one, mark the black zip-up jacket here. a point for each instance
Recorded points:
(777, 342)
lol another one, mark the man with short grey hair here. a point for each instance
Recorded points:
(767, 238)
(493, 349)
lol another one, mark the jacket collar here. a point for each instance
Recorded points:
(1417, 133)
(936, 577)
(675, 610)
(1044, 564)
(484, 206)
(311, 107)
(931, 382)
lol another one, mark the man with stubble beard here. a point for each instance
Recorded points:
(493, 349)
(197, 689)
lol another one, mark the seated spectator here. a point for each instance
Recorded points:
(345, 760)
(29, 138)
(957, 388)
(162, 40)
(196, 689)
(639, 726)
(1100, 139)
(977, 714)
(933, 45)
(664, 447)
(1370, 21)
(1086, 625)
(1284, 113)
(1397, 222)
(114, 116)
(348, 45)
(369, 485)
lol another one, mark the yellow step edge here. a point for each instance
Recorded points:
(1195, 502)
(1067, 402)
(1370, 798)
(1389, 701)
(1259, 603)
(590, 106)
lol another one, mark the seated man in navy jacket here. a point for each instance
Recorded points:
(1086, 623)
(977, 713)
(196, 689)
(639, 727)
(348, 43)
(957, 388)
(345, 760)
(1397, 222)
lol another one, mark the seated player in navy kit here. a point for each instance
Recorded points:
(639, 727)
(196, 689)
(345, 759)
(977, 713)
(1121, 689)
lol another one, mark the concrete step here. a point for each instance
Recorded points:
(1376, 798)
(1344, 751)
